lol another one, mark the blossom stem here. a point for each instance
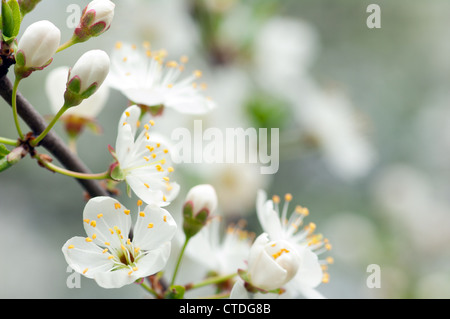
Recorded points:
(66, 45)
(9, 141)
(179, 260)
(49, 126)
(14, 107)
(60, 170)
(149, 289)
(211, 281)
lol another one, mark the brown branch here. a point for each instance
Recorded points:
(51, 142)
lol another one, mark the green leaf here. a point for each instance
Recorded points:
(3, 151)
(11, 20)
(14, 5)
(7, 20)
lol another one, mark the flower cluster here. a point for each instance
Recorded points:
(155, 244)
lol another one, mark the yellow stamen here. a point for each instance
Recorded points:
(70, 247)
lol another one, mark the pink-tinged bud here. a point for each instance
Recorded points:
(86, 76)
(36, 47)
(96, 19)
(202, 197)
(200, 203)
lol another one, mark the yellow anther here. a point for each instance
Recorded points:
(198, 73)
(170, 86)
(105, 250)
(153, 155)
(133, 47)
(169, 187)
(94, 236)
(163, 161)
(150, 148)
(203, 86)
(150, 225)
(117, 205)
(125, 59)
(138, 123)
(326, 278)
(124, 123)
(166, 151)
(328, 246)
(136, 250)
(288, 197)
(164, 199)
(142, 214)
(146, 127)
(165, 217)
(170, 169)
(171, 64)
(330, 260)
(123, 247)
(88, 239)
(166, 179)
(126, 212)
(148, 53)
(93, 223)
(110, 257)
(147, 135)
(135, 268)
(128, 241)
(152, 123)
(107, 243)
(127, 113)
(118, 45)
(129, 273)
(158, 144)
(70, 247)
(276, 199)
(146, 185)
(111, 231)
(278, 254)
(184, 59)
(86, 220)
(146, 44)
(85, 271)
(99, 215)
(194, 85)
(146, 158)
(139, 202)
(117, 230)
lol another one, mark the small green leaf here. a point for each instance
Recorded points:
(7, 20)
(3, 151)
(117, 174)
(15, 8)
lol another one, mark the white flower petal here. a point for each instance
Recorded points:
(104, 217)
(154, 260)
(115, 279)
(86, 257)
(154, 228)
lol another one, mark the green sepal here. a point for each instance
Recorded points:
(20, 58)
(192, 224)
(175, 292)
(74, 85)
(116, 173)
(89, 91)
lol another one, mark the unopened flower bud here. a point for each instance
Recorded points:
(96, 19)
(86, 76)
(200, 202)
(272, 264)
(36, 47)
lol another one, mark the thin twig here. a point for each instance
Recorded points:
(51, 142)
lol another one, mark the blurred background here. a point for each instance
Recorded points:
(364, 138)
